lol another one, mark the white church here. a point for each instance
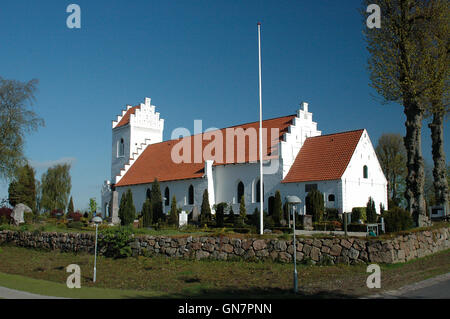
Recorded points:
(296, 156)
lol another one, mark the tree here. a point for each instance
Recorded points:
(220, 214)
(127, 211)
(371, 211)
(16, 119)
(391, 154)
(22, 188)
(315, 204)
(70, 208)
(398, 72)
(231, 218)
(173, 214)
(242, 212)
(56, 186)
(277, 209)
(437, 97)
(205, 211)
(157, 204)
(92, 206)
(147, 213)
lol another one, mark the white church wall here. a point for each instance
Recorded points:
(356, 188)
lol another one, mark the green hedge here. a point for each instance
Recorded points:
(358, 213)
(397, 219)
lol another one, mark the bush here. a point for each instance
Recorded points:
(397, 219)
(332, 214)
(358, 213)
(28, 217)
(5, 215)
(240, 220)
(173, 214)
(147, 217)
(230, 219)
(220, 214)
(277, 209)
(127, 210)
(205, 211)
(356, 227)
(75, 216)
(116, 242)
(371, 211)
(315, 205)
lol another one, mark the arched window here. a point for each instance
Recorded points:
(331, 198)
(148, 193)
(365, 172)
(240, 191)
(258, 191)
(167, 196)
(121, 148)
(191, 195)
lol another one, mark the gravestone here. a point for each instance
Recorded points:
(182, 219)
(306, 222)
(18, 212)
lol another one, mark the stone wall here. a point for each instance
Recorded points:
(337, 250)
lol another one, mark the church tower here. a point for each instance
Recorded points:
(132, 132)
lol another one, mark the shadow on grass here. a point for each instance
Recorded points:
(252, 293)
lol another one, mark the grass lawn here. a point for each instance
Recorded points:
(161, 277)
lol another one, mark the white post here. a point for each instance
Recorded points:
(261, 182)
(95, 253)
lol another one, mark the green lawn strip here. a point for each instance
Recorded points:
(49, 288)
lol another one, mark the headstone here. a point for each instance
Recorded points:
(195, 213)
(18, 212)
(183, 219)
(307, 222)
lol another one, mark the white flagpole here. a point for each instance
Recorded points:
(261, 183)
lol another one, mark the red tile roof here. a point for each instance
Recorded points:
(156, 160)
(126, 118)
(323, 157)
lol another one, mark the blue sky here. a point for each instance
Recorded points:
(196, 60)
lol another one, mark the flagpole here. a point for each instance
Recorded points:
(261, 182)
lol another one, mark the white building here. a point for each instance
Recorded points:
(298, 158)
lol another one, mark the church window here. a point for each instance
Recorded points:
(258, 191)
(331, 198)
(121, 148)
(191, 195)
(310, 187)
(240, 191)
(365, 172)
(167, 196)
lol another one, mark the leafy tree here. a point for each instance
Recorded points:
(391, 154)
(22, 188)
(205, 211)
(157, 204)
(220, 214)
(70, 208)
(147, 213)
(437, 98)
(127, 211)
(399, 72)
(315, 205)
(371, 211)
(56, 185)
(92, 205)
(277, 209)
(16, 119)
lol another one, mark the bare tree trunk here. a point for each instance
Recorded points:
(439, 170)
(415, 179)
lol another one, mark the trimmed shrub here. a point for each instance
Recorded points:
(205, 211)
(358, 213)
(230, 219)
(116, 242)
(397, 219)
(315, 205)
(173, 214)
(220, 214)
(371, 211)
(157, 204)
(240, 221)
(127, 211)
(147, 213)
(332, 214)
(277, 209)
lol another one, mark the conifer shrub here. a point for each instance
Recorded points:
(147, 213)
(315, 205)
(240, 220)
(205, 212)
(358, 213)
(173, 214)
(277, 209)
(127, 211)
(371, 211)
(220, 214)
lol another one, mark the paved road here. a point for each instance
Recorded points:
(434, 288)
(7, 293)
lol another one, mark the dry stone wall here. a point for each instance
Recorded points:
(335, 250)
